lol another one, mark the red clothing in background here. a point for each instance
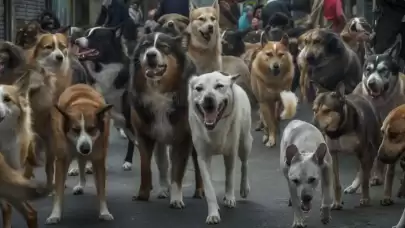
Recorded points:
(333, 11)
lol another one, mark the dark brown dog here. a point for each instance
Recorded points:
(174, 21)
(12, 62)
(350, 124)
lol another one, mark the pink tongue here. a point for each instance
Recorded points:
(210, 118)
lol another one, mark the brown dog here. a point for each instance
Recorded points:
(271, 76)
(350, 124)
(81, 128)
(391, 150)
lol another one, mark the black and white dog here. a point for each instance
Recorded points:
(105, 55)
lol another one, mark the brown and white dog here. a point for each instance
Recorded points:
(271, 76)
(17, 144)
(81, 128)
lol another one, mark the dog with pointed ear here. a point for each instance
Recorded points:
(80, 123)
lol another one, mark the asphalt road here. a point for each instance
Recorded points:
(266, 206)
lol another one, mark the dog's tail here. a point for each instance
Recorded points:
(290, 101)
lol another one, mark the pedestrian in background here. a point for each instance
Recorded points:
(245, 21)
(112, 13)
(257, 17)
(333, 13)
(181, 7)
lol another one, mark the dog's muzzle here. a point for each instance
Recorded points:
(275, 69)
(210, 111)
(374, 89)
(306, 203)
(154, 68)
(207, 34)
(85, 148)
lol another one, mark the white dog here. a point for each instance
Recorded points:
(305, 160)
(220, 122)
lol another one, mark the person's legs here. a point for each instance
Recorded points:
(387, 28)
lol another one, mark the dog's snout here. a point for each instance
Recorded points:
(151, 55)
(85, 148)
(306, 198)
(276, 66)
(209, 103)
(59, 58)
(372, 84)
(170, 24)
(211, 28)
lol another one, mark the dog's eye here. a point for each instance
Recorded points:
(6, 99)
(146, 43)
(219, 86)
(296, 181)
(311, 180)
(49, 47)
(76, 130)
(269, 54)
(280, 55)
(91, 130)
(393, 135)
(201, 19)
(213, 18)
(199, 88)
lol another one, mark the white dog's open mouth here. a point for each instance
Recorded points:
(306, 206)
(85, 53)
(156, 71)
(211, 115)
(206, 35)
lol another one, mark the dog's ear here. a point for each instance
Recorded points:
(285, 40)
(101, 112)
(64, 114)
(192, 81)
(334, 44)
(395, 49)
(66, 118)
(320, 153)
(292, 154)
(192, 5)
(340, 89)
(215, 5)
(64, 30)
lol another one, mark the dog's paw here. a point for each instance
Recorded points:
(73, 172)
(52, 220)
(365, 202)
(337, 206)
(401, 192)
(127, 166)
(122, 133)
(106, 217)
(386, 201)
(350, 190)
(376, 181)
(213, 218)
(289, 203)
(142, 196)
(177, 204)
(265, 139)
(164, 193)
(299, 223)
(271, 142)
(230, 201)
(78, 190)
(259, 126)
(244, 189)
(89, 169)
(325, 215)
(199, 193)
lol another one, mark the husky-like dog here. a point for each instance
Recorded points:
(220, 122)
(81, 128)
(305, 161)
(17, 140)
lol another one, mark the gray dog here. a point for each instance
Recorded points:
(305, 167)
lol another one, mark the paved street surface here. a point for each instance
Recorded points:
(266, 206)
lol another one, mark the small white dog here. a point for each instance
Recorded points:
(305, 160)
(220, 122)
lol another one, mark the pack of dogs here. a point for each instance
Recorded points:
(185, 87)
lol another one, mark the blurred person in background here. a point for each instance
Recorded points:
(257, 17)
(275, 6)
(245, 21)
(135, 11)
(181, 7)
(150, 23)
(333, 13)
(112, 13)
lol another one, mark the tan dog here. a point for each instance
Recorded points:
(51, 53)
(271, 77)
(17, 141)
(80, 126)
(174, 21)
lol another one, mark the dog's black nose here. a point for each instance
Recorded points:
(311, 58)
(372, 84)
(85, 148)
(209, 103)
(59, 58)
(211, 28)
(276, 66)
(306, 198)
(151, 55)
(170, 24)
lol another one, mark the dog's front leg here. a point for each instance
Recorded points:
(229, 161)
(337, 204)
(145, 147)
(401, 222)
(78, 189)
(269, 137)
(27, 211)
(365, 165)
(180, 155)
(162, 161)
(6, 210)
(99, 179)
(356, 182)
(62, 166)
(296, 205)
(401, 190)
(378, 170)
(389, 177)
(204, 162)
(326, 184)
(199, 185)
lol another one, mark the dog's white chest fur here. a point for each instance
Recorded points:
(104, 78)
(161, 106)
(346, 143)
